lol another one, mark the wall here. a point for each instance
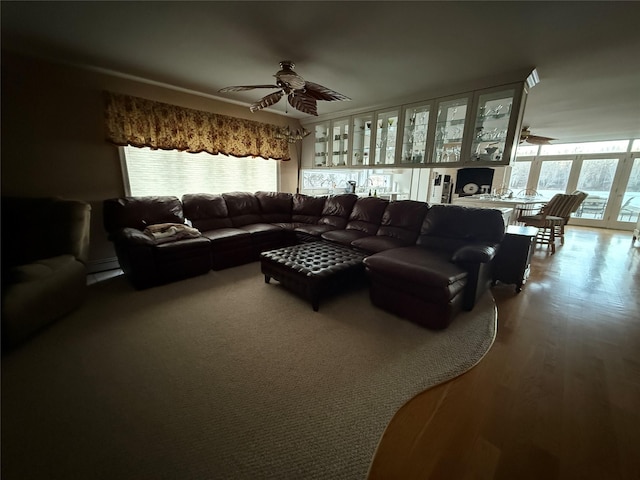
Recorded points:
(53, 137)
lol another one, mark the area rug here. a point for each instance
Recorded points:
(220, 377)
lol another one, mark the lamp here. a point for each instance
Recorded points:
(292, 136)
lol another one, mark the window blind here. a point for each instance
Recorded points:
(170, 172)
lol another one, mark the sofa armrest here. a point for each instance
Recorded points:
(474, 254)
(133, 236)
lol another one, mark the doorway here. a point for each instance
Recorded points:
(612, 181)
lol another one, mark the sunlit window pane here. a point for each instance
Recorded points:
(596, 179)
(519, 176)
(616, 146)
(554, 176)
(631, 201)
(526, 150)
(162, 172)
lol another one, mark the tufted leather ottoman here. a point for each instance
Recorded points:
(312, 269)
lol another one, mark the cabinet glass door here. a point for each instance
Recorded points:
(321, 135)
(414, 137)
(340, 143)
(386, 135)
(361, 139)
(492, 116)
(450, 130)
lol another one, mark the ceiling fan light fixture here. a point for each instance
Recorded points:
(292, 136)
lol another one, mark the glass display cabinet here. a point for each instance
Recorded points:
(320, 139)
(386, 135)
(450, 129)
(492, 115)
(415, 134)
(339, 142)
(477, 128)
(362, 137)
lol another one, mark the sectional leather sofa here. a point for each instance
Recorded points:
(425, 263)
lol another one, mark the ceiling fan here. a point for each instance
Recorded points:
(301, 94)
(525, 136)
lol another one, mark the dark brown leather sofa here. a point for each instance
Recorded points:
(447, 269)
(425, 262)
(145, 261)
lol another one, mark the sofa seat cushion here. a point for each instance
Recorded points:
(261, 228)
(290, 225)
(418, 270)
(380, 243)
(265, 236)
(222, 236)
(229, 247)
(40, 268)
(186, 248)
(344, 237)
(315, 230)
(42, 292)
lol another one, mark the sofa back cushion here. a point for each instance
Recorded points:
(449, 227)
(243, 207)
(40, 228)
(206, 211)
(275, 207)
(140, 212)
(402, 219)
(366, 215)
(306, 208)
(337, 210)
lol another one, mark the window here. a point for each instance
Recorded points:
(519, 175)
(170, 172)
(527, 150)
(554, 176)
(616, 146)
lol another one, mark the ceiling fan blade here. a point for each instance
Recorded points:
(323, 93)
(537, 140)
(525, 136)
(242, 88)
(266, 101)
(304, 103)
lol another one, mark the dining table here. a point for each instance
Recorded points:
(518, 205)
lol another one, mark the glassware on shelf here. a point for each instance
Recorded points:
(450, 130)
(386, 134)
(361, 128)
(414, 140)
(492, 125)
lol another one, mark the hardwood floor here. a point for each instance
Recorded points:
(557, 396)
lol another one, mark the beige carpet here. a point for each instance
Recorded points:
(220, 377)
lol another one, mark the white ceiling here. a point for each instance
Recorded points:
(377, 53)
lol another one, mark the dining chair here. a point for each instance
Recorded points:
(528, 193)
(503, 192)
(580, 197)
(550, 220)
(526, 208)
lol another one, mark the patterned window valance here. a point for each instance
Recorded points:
(146, 123)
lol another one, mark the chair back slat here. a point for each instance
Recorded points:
(580, 197)
(560, 205)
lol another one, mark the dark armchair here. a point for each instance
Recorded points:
(45, 244)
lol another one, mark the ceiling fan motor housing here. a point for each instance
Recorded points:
(288, 78)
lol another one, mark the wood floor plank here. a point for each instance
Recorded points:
(557, 396)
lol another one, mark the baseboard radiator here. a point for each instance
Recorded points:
(102, 264)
